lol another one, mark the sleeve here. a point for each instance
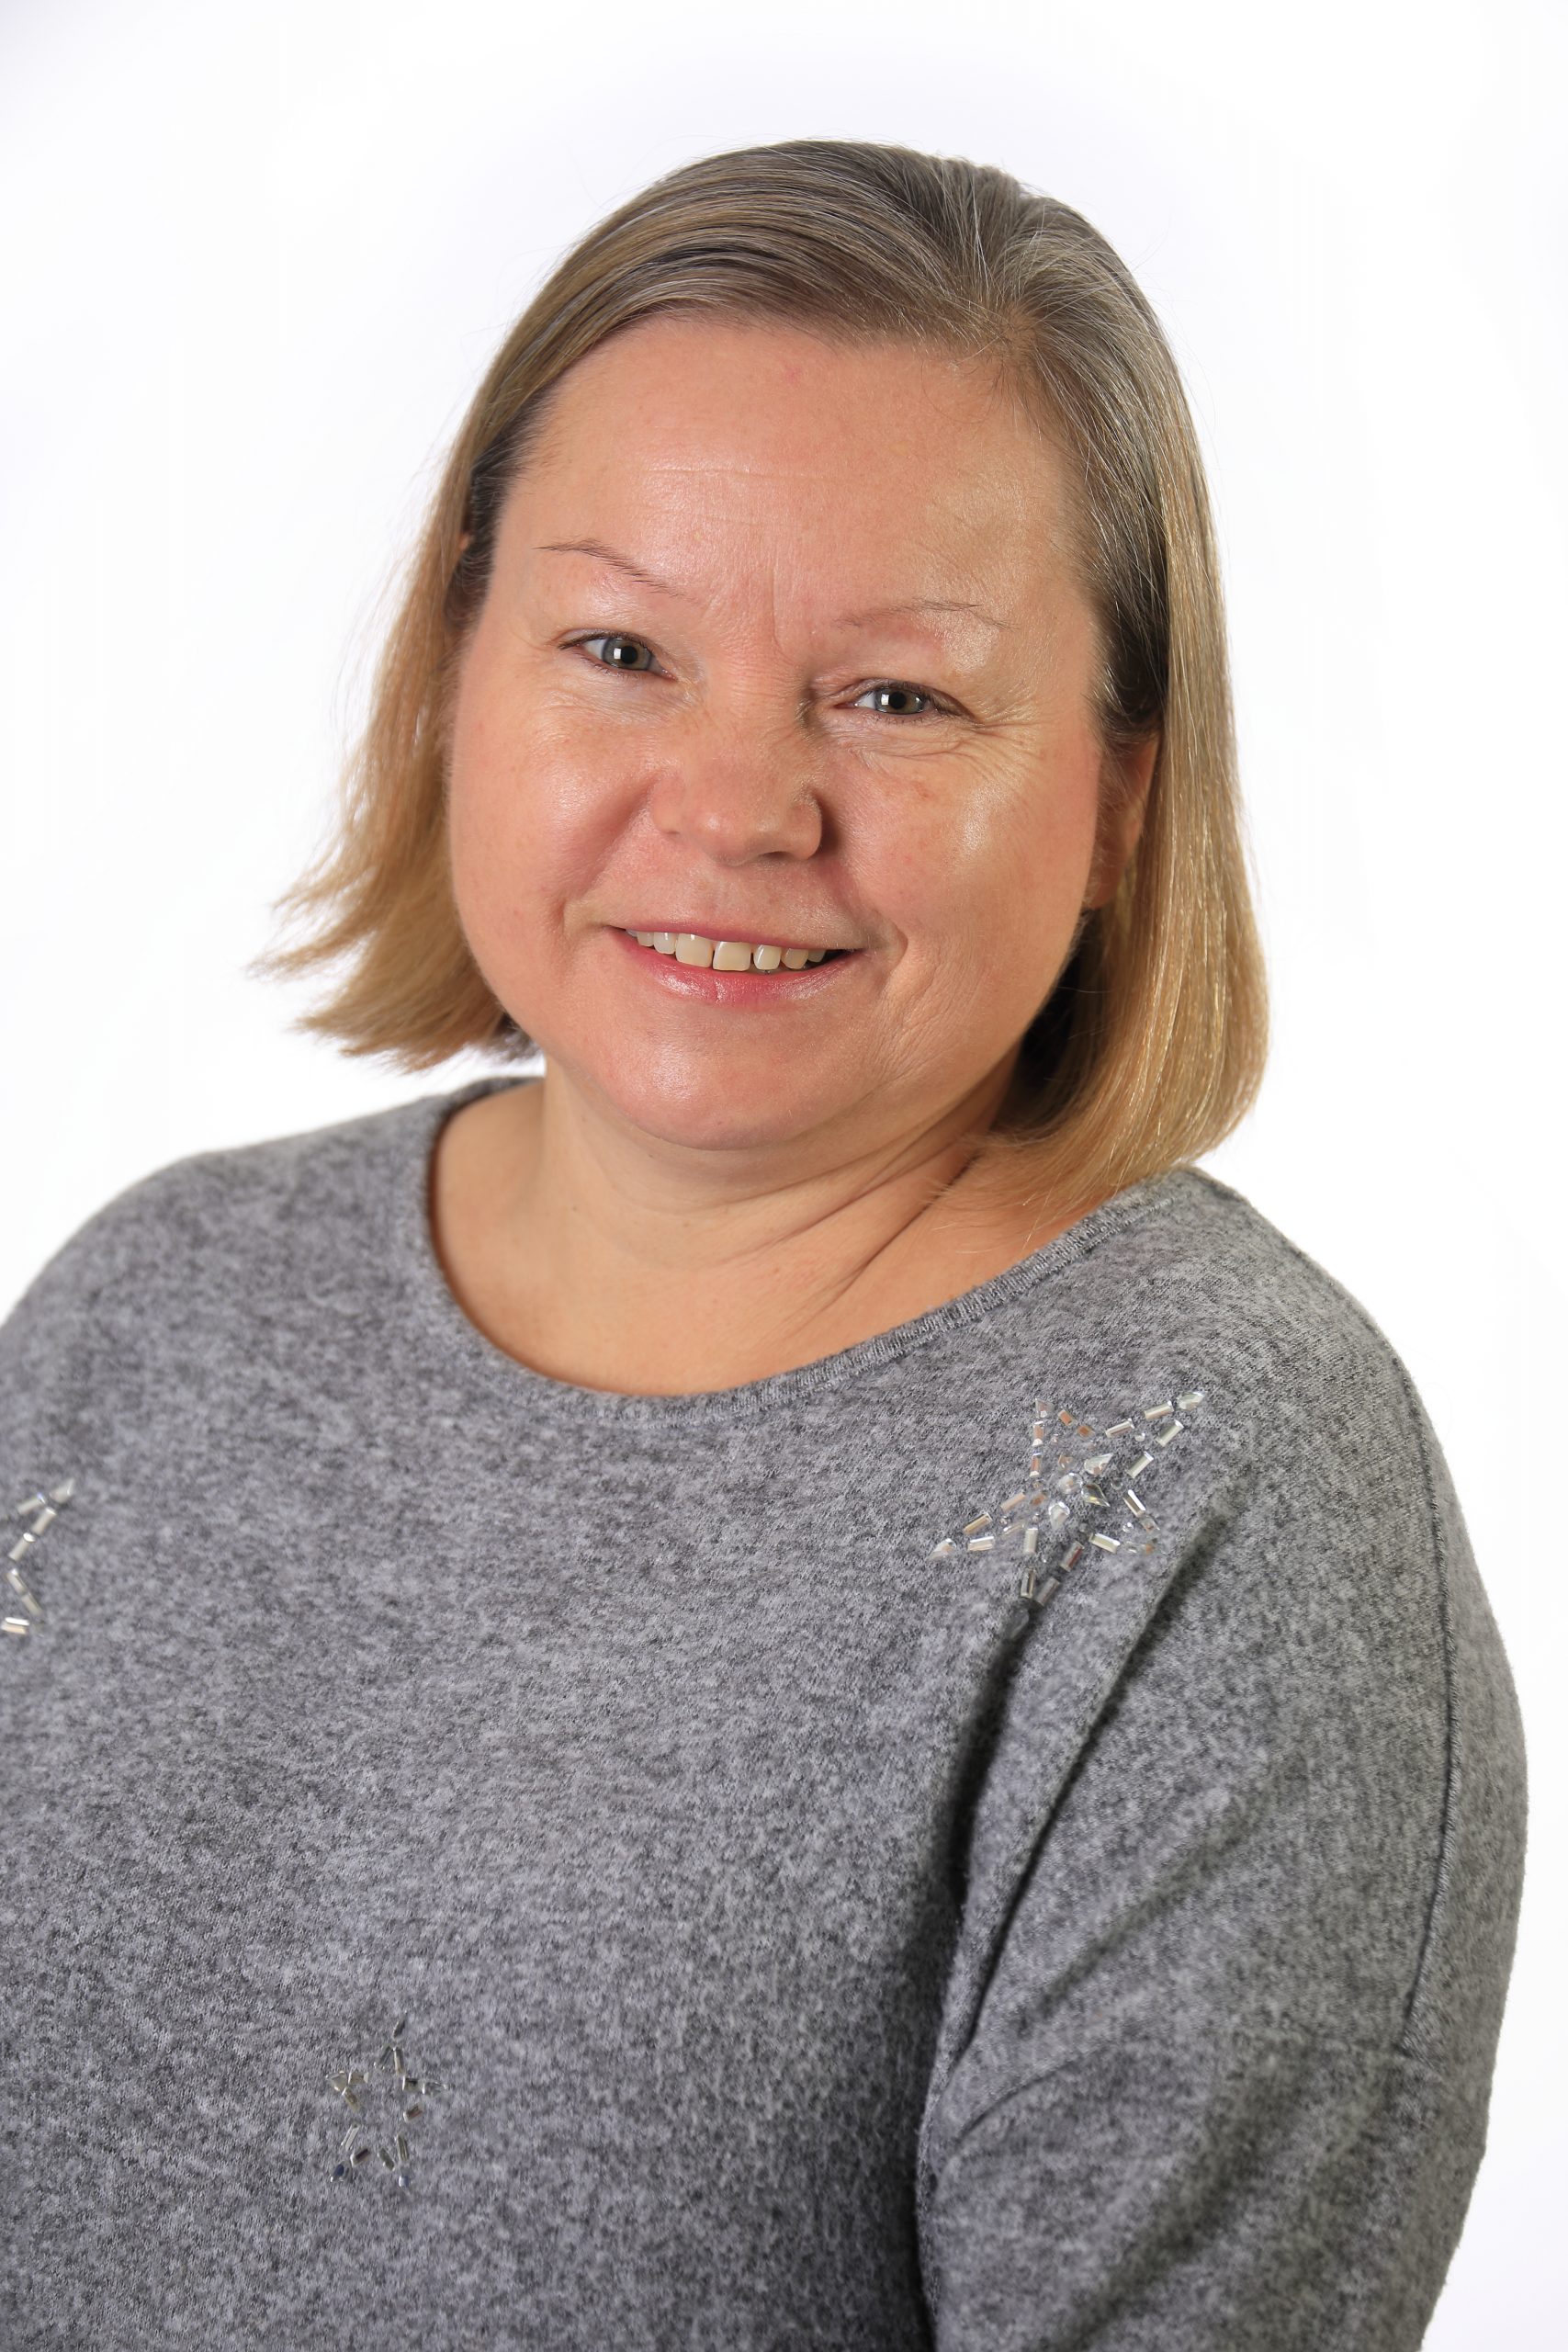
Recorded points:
(1227, 2080)
(44, 1338)
(72, 1338)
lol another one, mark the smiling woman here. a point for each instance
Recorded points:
(799, 1686)
(739, 780)
(778, 405)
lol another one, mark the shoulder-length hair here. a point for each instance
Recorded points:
(1150, 1047)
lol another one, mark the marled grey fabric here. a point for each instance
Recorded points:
(814, 1941)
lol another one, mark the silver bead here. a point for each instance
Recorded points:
(1017, 1522)
(378, 2091)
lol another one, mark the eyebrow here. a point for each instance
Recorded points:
(602, 554)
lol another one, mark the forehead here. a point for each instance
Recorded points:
(871, 459)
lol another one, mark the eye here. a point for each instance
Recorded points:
(615, 638)
(900, 690)
(625, 648)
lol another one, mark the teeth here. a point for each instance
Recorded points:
(726, 955)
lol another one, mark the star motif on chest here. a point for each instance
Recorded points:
(23, 1610)
(387, 2101)
(1084, 1494)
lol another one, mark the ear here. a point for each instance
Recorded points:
(1124, 799)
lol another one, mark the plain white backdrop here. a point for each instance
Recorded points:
(258, 259)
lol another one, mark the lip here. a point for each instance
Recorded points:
(738, 989)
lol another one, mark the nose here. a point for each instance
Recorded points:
(736, 798)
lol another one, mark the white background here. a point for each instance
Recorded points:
(258, 259)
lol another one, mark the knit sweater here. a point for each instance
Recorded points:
(1009, 1835)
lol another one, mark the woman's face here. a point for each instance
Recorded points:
(781, 646)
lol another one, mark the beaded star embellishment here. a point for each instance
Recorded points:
(23, 1607)
(1080, 1493)
(384, 2097)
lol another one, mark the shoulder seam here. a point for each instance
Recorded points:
(1440, 1572)
(1440, 1568)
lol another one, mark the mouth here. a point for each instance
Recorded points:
(773, 981)
(702, 951)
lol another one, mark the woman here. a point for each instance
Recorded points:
(787, 1685)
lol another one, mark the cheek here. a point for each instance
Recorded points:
(478, 850)
(493, 836)
(998, 862)
(510, 802)
(1041, 875)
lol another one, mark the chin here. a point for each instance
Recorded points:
(712, 1108)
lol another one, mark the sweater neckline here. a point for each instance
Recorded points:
(462, 1346)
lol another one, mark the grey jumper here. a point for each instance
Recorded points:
(1009, 1835)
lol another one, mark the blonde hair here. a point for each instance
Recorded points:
(1150, 1047)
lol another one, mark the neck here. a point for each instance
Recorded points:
(603, 1256)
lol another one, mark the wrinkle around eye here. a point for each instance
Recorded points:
(939, 707)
